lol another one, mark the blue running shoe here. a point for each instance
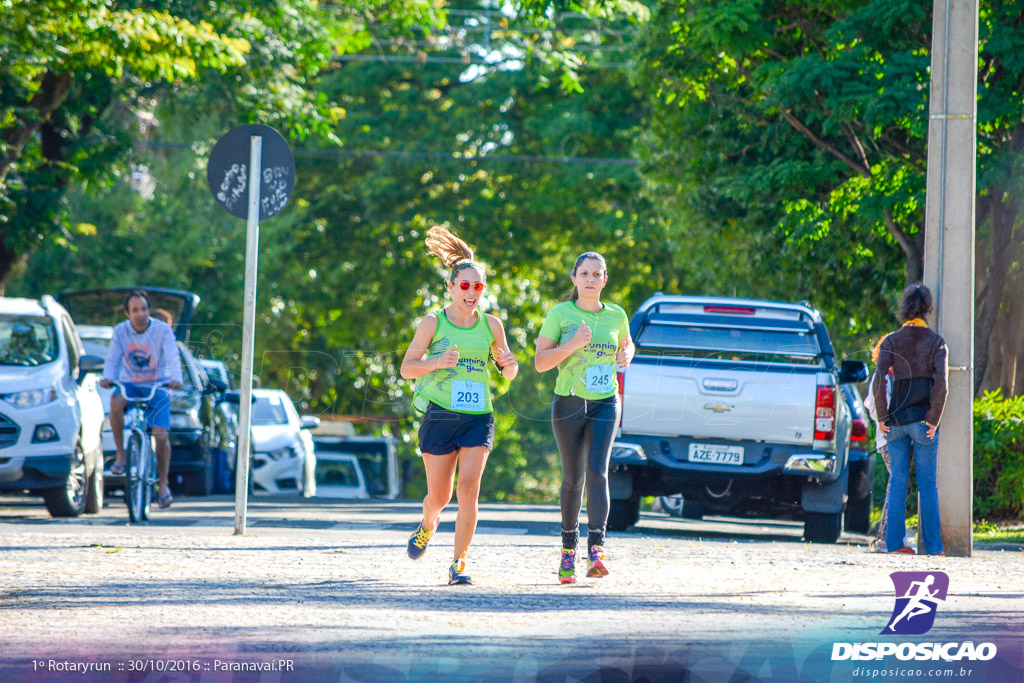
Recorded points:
(457, 575)
(418, 541)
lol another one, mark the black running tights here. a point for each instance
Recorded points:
(584, 430)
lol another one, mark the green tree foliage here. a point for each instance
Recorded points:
(344, 275)
(80, 79)
(801, 126)
(998, 457)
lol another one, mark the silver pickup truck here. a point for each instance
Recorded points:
(734, 404)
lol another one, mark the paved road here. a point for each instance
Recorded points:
(326, 584)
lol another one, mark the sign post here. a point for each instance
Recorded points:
(267, 177)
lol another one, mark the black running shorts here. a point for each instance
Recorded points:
(444, 431)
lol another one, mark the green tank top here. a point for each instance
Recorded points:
(466, 388)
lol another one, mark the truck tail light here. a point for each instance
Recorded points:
(860, 430)
(825, 414)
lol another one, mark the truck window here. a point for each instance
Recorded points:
(717, 343)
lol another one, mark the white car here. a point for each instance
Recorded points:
(218, 370)
(339, 475)
(51, 416)
(283, 455)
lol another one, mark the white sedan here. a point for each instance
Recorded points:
(283, 455)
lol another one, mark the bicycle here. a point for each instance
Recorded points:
(140, 476)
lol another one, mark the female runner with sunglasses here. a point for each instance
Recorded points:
(453, 392)
(585, 339)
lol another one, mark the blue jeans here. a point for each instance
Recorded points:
(900, 440)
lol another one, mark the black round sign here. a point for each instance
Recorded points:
(228, 171)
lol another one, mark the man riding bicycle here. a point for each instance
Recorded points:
(143, 353)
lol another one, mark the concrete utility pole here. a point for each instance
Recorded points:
(949, 251)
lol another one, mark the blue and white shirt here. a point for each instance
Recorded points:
(148, 357)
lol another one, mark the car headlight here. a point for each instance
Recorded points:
(281, 453)
(31, 397)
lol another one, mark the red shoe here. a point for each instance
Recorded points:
(904, 551)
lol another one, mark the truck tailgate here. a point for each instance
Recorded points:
(720, 400)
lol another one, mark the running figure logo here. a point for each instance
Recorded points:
(917, 597)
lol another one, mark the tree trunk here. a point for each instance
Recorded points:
(913, 248)
(8, 261)
(1001, 244)
(51, 94)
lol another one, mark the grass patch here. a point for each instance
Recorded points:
(986, 532)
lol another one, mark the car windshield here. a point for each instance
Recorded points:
(96, 346)
(336, 473)
(216, 371)
(27, 340)
(269, 410)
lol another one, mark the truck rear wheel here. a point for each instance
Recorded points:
(623, 514)
(858, 515)
(822, 527)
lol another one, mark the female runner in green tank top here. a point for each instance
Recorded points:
(453, 391)
(587, 339)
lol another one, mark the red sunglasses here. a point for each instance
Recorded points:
(464, 285)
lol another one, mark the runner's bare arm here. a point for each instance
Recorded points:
(550, 353)
(413, 365)
(499, 349)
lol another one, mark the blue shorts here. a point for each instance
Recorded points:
(444, 431)
(158, 412)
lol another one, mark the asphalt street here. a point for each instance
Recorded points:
(326, 585)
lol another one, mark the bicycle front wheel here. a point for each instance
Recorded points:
(135, 478)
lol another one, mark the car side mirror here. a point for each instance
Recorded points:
(214, 386)
(90, 363)
(853, 372)
(310, 421)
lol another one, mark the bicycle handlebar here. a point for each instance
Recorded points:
(137, 399)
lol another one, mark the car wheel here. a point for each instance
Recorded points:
(858, 515)
(692, 509)
(69, 500)
(94, 500)
(822, 527)
(623, 514)
(672, 505)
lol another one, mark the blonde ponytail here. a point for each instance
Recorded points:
(453, 252)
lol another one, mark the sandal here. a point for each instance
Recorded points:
(165, 501)
(117, 470)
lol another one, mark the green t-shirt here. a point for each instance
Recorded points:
(589, 372)
(466, 388)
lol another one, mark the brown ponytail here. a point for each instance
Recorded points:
(453, 252)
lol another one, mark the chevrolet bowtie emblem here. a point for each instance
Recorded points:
(718, 407)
